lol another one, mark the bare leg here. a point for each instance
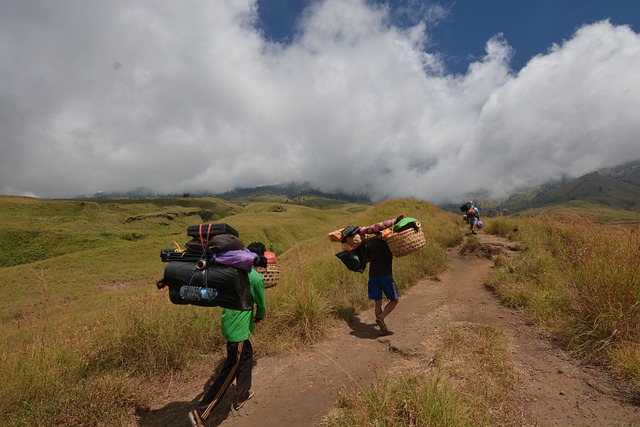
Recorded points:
(382, 313)
(388, 308)
(378, 307)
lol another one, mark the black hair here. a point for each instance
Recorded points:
(257, 248)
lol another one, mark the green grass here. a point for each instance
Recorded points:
(34, 229)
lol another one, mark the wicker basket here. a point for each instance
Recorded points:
(271, 275)
(407, 241)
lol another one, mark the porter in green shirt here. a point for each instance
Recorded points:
(238, 325)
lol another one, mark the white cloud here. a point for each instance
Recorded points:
(177, 96)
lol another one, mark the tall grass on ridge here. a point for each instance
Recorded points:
(303, 308)
(580, 280)
(154, 338)
(54, 378)
(606, 283)
(45, 382)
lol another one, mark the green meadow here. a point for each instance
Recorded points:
(85, 331)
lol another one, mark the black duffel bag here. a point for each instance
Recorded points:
(214, 286)
(215, 244)
(208, 230)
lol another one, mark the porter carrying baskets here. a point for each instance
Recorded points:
(408, 239)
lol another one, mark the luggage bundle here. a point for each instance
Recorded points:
(213, 238)
(403, 235)
(214, 286)
(467, 206)
(406, 237)
(213, 270)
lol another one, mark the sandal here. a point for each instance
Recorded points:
(382, 325)
(195, 419)
(237, 405)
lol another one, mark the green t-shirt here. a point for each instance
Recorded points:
(238, 325)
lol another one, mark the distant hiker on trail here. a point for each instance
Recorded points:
(472, 213)
(237, 326)
(380, 259)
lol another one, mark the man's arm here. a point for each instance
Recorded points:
(257, 294)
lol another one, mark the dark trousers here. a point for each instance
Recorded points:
(237, 367)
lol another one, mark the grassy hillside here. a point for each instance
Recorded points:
(37, 229)
(82, 318)
(292, 192)
(586, 210)
(83, 321)
(73, 254)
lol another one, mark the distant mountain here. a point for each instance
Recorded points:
(299, 193)
(291, 191)
(613, 188)
(629, 173)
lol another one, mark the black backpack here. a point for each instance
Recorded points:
(465, 208)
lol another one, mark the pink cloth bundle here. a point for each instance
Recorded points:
(376, 228)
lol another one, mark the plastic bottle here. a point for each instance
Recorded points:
(197, 293)
(208, 293)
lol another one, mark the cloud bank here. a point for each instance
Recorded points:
(189, 96)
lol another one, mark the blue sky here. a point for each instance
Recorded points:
(440, 101)
(529, 26)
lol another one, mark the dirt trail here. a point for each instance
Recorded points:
(299, 389)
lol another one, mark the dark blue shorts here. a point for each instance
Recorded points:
(382, 284)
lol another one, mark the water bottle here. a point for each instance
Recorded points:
(190, 293)
(208, 293)
(197, 293)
